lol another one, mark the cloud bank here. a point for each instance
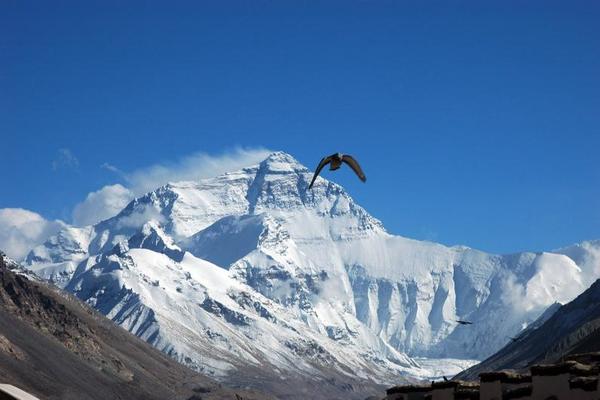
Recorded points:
(101, 204)
(21, 230)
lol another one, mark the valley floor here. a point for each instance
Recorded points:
(437, 368)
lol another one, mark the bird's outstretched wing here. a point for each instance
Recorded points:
(323, 163)
(355, 167)
(464, 322)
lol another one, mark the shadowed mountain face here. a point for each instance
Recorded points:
(55, 347)
(571, 329)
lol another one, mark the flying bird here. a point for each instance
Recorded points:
(335, 161)
(464, 322)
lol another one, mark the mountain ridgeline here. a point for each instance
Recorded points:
(251, 271)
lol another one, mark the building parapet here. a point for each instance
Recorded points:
(505, 377)
(567, 367)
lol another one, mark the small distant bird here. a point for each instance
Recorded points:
(464, 322)
(336, 162)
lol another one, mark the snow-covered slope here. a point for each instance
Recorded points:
(563, 330)
(196, 312)
(251, 267)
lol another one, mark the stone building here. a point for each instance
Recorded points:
(575, 378)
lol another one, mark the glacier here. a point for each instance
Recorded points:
(251, 271)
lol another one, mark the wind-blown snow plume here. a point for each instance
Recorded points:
(193, 167)
(109, 200)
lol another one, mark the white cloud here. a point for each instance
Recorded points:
(514, 292)
(65, 159)
(193, 167)
(21, 230)
(554, 277)
(112, 168)
(101, 204)
(139, 218)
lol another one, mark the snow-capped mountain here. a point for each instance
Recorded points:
(252, 268)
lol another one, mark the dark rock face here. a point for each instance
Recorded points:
(214, 307)
(55, 347)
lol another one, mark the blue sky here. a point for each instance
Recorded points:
(477, 123)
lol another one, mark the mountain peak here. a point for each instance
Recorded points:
(281, 162)
(281, 156)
